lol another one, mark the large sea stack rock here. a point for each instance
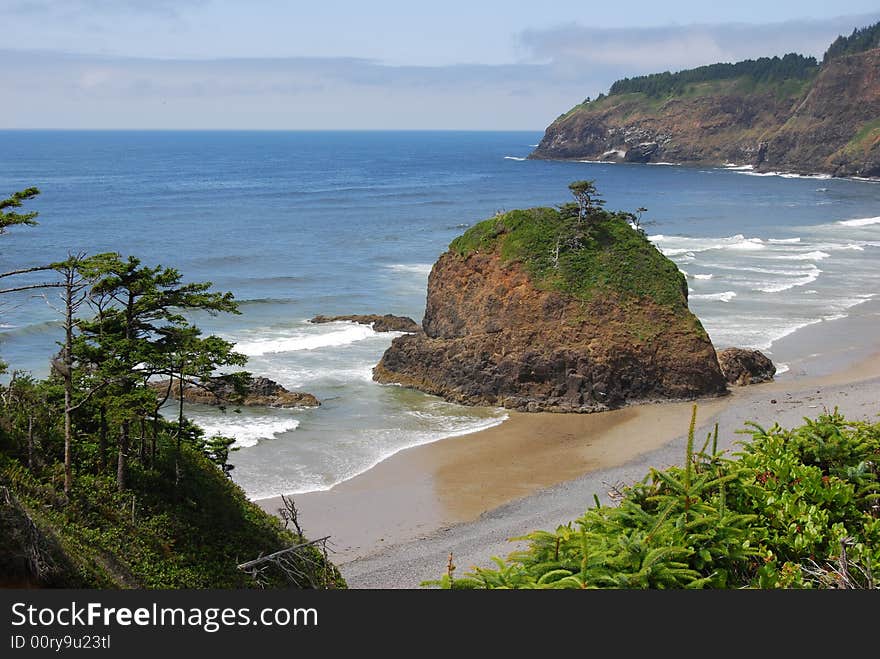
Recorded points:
(742, 367)
(532, 310)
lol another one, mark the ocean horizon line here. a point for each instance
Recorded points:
(269, 130)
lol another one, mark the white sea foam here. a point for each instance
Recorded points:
(809, 256)
(513, 158)
(821, 177)
(783, 241)
(533, 145)
(788, 331)
(702, 276)
(442, 427)
(418, 268)
(726, 296)
(861, 222)
(782, 367)
(6, 326)
(748, 244)
(248, 431)
(741, 168)
(759, 333)
(808, 278)
(339, 336)
(796, 271)
(835, 316)
(295, 377)
(675, 245)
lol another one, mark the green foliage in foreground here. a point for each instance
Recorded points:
(163, 532)
(798, 508)
(596, 255)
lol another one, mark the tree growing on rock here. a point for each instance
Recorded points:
(587, 198)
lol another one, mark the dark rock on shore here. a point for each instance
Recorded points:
(386, 323)
(641, 152)
(742, 367)
(258, 392)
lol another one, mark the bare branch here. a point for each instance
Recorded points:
(31, 287)
(38, 268)
(279, 553)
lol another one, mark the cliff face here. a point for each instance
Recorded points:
(830, 123)
(836, 128)
(502, 328)
(720, 125)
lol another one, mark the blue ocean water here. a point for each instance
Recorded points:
(302, 223)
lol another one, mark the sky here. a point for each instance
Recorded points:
(384, 64)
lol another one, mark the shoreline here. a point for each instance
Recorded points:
(453, 480)
(784, 173)
(391, 525)
(856, 392)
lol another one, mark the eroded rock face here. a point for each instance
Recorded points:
(828, 127)
(742, 367)
(386, 323)
(261, 392)
(492, 338)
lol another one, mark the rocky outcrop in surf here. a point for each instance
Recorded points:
(542, 309)
(225, 390)
(386, 323)
(743, 367)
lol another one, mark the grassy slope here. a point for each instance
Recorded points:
(152, 536)
(650, 105)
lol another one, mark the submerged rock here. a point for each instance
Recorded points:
(258, 392)
(386, 323)
(505, 326)
(742, 367)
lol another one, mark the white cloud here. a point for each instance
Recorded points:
(561, 67)
(633, 51)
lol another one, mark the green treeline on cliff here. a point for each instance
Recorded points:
(773, 70)
(97, 487)
(859, 41)
(762, 70)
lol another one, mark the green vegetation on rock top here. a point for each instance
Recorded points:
(598, 256)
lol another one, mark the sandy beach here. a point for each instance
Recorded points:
(395, 525)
